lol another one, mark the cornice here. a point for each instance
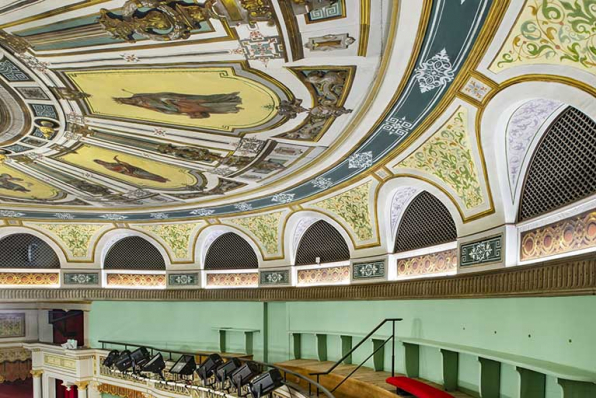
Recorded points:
(567, 277)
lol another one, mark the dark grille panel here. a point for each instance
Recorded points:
(426, 222)
(134, 253)
(230, 251)
(26, 251)
(563, 167)
(321, 240)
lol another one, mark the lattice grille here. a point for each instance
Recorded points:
(134, 253)
(26, 251)
(426, 222)
(230, 251)
(321, 240)
(563, 167)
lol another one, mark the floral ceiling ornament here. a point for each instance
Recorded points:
(76, 237)
(243, 206)
(264, 227)
(322, 182)
(176, 236)
(114, 217)
(396, 126)
(400, 201)
(283, 197)
(202, 212)
(353, 207)
(11, 214)
(523, 126)
(556, 32)
(448, 156)
(435, 72)
(362, 160)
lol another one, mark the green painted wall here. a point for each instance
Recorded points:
(560, 330)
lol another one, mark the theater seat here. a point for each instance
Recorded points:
(417, 388)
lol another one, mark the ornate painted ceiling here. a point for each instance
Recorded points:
(150, 110)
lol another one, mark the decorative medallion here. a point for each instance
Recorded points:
(485, 251)
(81, 278)
(270, 278)
(368, 270)
(191, 279)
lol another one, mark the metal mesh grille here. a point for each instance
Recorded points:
(321, 240)
(563, 168)
(26, 251)
(426, 222)
(134, 253)
(230, 251)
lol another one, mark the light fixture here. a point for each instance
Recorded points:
(244, 374)
(140, 357)
(208, 367)
(266, 383)
(185, 366)
(155, 365)
(124, 361)
(224, 371)
(111, 358)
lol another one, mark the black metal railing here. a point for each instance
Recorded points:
(285, 372)
(349, 353)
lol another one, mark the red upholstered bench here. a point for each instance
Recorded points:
(416, 388)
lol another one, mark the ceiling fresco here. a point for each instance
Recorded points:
(144, 110)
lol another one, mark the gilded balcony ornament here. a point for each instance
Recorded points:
(160, 20)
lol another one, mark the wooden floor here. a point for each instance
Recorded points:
(365, 383)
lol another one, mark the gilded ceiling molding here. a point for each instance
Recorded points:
(355, 210)
(178, 239)
(448, 156)
(266, 229)
(554, 32)
(78, 241)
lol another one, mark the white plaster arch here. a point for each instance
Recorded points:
(293, 233)
(494, 123)
(393, 187)
(6, 231)
(208, 236)
(111, 237)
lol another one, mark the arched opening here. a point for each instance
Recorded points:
(321, 240)
(26, 251)
(230, 251)
(134, 253)
(425, 222)
(561, 170)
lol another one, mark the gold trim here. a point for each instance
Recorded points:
(364, 27)
(36, 373)
(55, 11)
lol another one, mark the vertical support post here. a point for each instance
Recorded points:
(490, 378)
(379, 356)
(577, 389)
(222, 340)
(37, 389)
(532, 385)
(346, 346)
(412, 360)
(297, 347)
(248, 342)
(393, 350)
(82, 388)
(321, 347)
(450, 369)
(265, 333)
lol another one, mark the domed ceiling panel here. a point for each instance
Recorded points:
(181, 109)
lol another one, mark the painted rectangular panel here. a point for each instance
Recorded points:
(486, 251)
(233, 280)
(29, 278)
(12, 325)
(428, 264)
(281, 277)
(81, 278)
(330, 275)
(183, 279)
(335, 11)
(565, 236)
(368, 270)
(136, 280)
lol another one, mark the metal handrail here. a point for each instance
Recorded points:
(285, 371)
(392, 338)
